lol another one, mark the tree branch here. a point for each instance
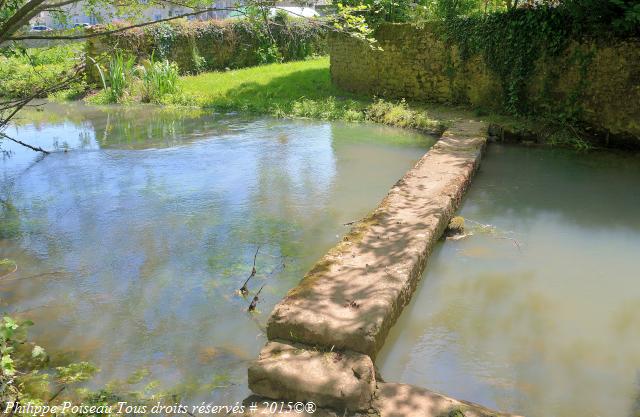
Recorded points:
(20, 18)
(61, 3)
(122, 29)
(26, 145)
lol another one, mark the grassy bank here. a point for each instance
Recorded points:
(304, 89)
(300, 89)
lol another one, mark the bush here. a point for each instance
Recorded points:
(24, 72)
(400, 115)
(212, 45)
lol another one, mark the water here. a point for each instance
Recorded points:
(130, 247)
(539, 315)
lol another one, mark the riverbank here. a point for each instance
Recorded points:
(301, 89)
(304, 89)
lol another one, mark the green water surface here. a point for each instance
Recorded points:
(538, 312)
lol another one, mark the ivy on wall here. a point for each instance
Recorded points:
(512, 42)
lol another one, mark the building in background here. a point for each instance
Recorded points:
(77, 15)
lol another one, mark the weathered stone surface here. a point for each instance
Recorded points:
(400, 400)
(354, 294)
(391, 400)
(295, 372)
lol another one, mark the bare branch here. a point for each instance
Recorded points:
(244, 290)
(26, 145)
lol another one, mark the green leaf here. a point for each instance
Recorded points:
(7, 365)
(38, 352)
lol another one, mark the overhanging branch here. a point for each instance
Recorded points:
(122, 29)
(26, 145)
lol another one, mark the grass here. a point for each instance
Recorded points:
(301, 89)
(275, 84)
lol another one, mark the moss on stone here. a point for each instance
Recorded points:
(455, 227)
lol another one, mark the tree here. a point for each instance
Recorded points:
(16, 14)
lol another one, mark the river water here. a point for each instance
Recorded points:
(538, 312)
(131, 246)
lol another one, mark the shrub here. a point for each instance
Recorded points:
(24, 72)
(400, 115)
(212, 45)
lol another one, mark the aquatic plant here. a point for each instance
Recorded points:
(159, 79)
(455, 227)
(9, 220)
(120, 75)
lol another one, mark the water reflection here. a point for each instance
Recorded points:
(548, 327)
(130, 247)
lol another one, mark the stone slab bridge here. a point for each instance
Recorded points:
(325, 334)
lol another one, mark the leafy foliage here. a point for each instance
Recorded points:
(120, 73)
(198, 46)
(378, 11)
(619, 16)
(25, 71)
(159, 78)
(18, 357)
(512, 42)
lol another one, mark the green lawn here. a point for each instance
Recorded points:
(282, 82)
(274, 89)
(295, 89)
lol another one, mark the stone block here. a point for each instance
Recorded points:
(295, 372)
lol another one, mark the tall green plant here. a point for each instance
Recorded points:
(120, 75)
(159, 79)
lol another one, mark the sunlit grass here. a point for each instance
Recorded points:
(274, 83)
(294, 89)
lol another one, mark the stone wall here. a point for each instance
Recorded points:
(415, 63)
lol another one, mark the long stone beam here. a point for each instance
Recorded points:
(324, 335)
(354, 294)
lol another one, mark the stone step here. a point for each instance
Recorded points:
(401, 400)
(391, 400)
(336, 379)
